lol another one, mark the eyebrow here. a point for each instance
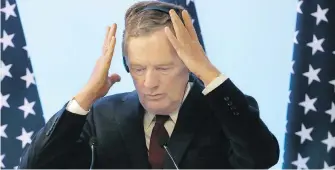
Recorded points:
(135, 65)
(164, 65)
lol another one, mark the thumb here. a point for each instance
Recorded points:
(113, 79)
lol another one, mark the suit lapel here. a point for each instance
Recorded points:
(189, 119)
(130, 119)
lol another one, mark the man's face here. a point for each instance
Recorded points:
(160, 77)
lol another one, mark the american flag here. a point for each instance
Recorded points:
(21, 111)
(310, 129)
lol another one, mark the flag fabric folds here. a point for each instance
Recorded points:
(310, 130)
(21, 111)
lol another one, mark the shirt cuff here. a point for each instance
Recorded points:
(74, 107)
(214, 84)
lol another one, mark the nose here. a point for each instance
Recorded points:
(151, 79)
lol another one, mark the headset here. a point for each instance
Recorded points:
(164, 10)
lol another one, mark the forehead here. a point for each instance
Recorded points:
(151, 49)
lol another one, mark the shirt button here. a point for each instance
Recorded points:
(226, 98)
(232, 108)
(236, 113)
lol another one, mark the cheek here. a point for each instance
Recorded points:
(138, 84)
(175, 87)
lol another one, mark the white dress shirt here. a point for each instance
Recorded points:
(149, 118)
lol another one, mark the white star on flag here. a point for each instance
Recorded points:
(4, 70)
(331, 112)
(334, 52)
(316, 44)
(299, 6)
(320, 15)
(4, 99)
(330, 142)
(27, 108)
(2, 157)
(289, 96)
(26, 48)
(304, 134)
(301, 162)
(326, 166)
(25, 137)
(312, 74)
(292, 65)
(6, 40)
(3, 133)
(9, 10)
(333, 83)
(295, 37)
(188, 1)
(308, 104)
(29, 78)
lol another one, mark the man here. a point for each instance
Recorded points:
(205, 122)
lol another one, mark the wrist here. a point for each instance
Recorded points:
(209, 74)
(85, 100)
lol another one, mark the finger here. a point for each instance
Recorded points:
(110, 51)
(112, 79)
(104, 49)
(111, 33)
(178, 26)
(189, 25)
(115, 77)
(173, 40)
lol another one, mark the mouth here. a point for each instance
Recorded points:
(155, 96)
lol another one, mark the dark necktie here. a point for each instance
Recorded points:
(156, 152)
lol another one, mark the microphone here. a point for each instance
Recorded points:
(93, 143)
(163, 143)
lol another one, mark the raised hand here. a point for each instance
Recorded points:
(100, 82)
(186, 43)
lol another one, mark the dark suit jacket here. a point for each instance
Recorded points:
(219, 130)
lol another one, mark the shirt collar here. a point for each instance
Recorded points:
(149, 117)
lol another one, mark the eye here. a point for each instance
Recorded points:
(137, 70)
(163, 69)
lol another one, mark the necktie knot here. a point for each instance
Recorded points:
(161, 119)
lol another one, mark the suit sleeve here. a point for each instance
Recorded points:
(252, 144)
(62, 143)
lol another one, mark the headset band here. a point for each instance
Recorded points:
(157, 8)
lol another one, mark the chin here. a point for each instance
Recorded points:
(157, 107)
